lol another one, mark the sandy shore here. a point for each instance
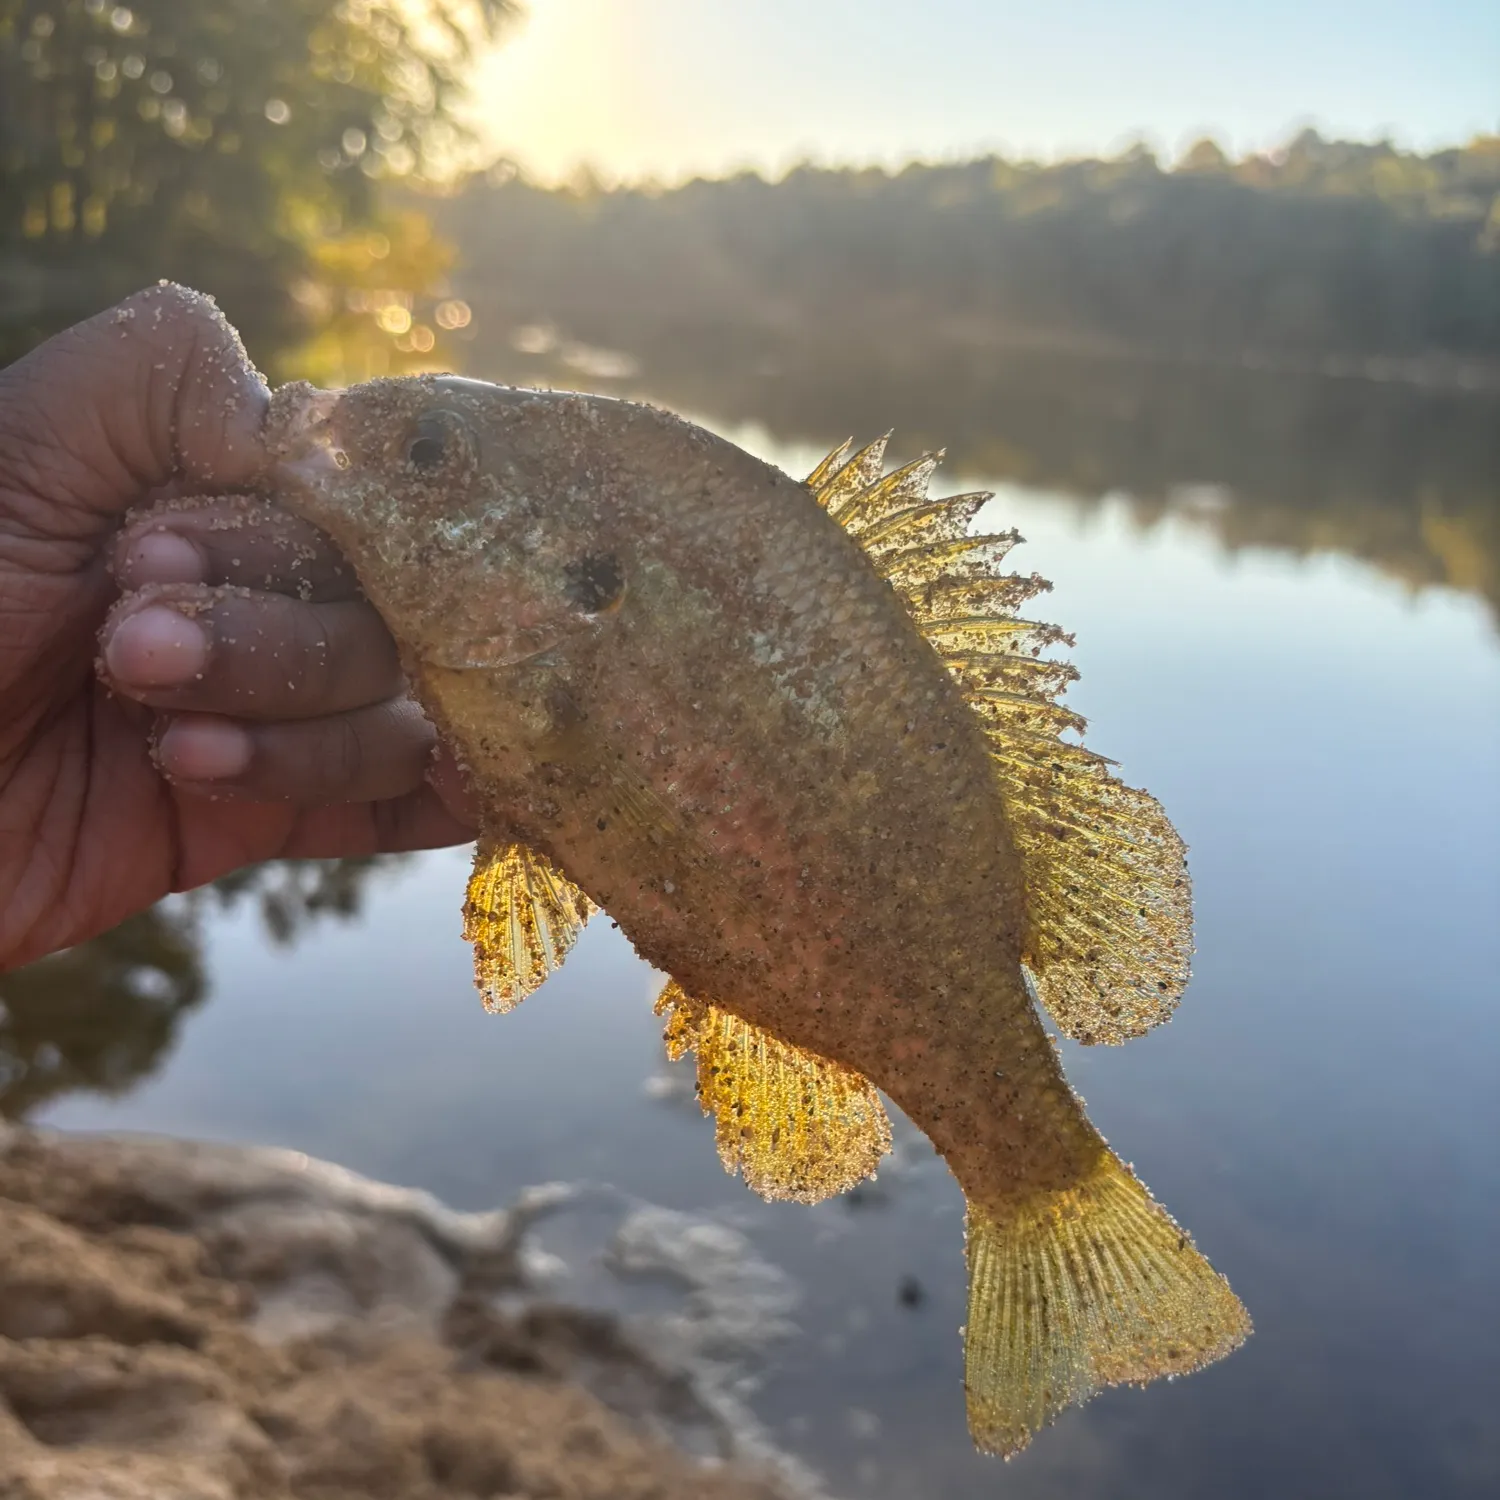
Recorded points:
(189, 1322)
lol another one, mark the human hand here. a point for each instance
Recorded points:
(248, 703)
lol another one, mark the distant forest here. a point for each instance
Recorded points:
(1324, 255)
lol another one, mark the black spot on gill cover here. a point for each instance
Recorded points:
(596, 583)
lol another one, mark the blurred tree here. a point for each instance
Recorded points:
(236, 145)
(1205, 155)
(1403, 474)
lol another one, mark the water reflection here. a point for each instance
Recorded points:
(1404, 477)
(103, 1016)
(100, 1016)
(292, 894)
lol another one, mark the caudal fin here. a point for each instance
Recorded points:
(1074, 1290)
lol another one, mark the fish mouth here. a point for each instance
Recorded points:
(306, 438)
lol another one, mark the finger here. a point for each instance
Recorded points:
(157, 387)
(235, 539)
(251, 655)
(419, 820)
(450, 779)
(218, 835)
(368, 755)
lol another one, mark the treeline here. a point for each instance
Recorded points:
(1324, 253)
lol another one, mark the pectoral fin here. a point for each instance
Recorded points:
(522, 917)
(793, 1124)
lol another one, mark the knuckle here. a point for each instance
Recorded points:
(171, 299)
(313, 651)
(346, 759)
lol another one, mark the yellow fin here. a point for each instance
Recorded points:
(830, 465)
(793, 1124)
(522, 917)
(1078, 1289)
(882, 499)
(848, 477)
(1109, 921)
(1110, 912)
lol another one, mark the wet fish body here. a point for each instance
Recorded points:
(796, 741)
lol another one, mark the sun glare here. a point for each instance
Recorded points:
(550, 95)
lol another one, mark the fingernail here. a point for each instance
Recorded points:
(156, 647)
(202, 749)
(161, 557)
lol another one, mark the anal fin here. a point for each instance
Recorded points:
(522, 916)
(793, 1124)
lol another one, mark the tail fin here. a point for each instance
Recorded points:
(1090, 1286)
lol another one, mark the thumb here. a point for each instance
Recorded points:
(157, 388)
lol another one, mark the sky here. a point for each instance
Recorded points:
(672, 88)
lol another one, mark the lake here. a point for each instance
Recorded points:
(1285, 606)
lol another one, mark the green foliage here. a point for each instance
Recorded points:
(236, 145)
(1325, 250)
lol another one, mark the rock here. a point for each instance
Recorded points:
(183, 1321)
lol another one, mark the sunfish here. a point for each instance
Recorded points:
(796, 741)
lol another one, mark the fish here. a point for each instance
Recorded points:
(799, 742)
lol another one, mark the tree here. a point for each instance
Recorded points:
(1205, 155)
(237, 145)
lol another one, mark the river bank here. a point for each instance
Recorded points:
(185, 1321)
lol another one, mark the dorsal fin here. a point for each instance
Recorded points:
(835, 460)
(1109, 908)
(848, 477)
(794, 1124)
(522, 916)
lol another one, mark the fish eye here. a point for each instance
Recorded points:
(440, 439)
(428, 446)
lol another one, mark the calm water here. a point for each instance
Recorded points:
(1322, 1114)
